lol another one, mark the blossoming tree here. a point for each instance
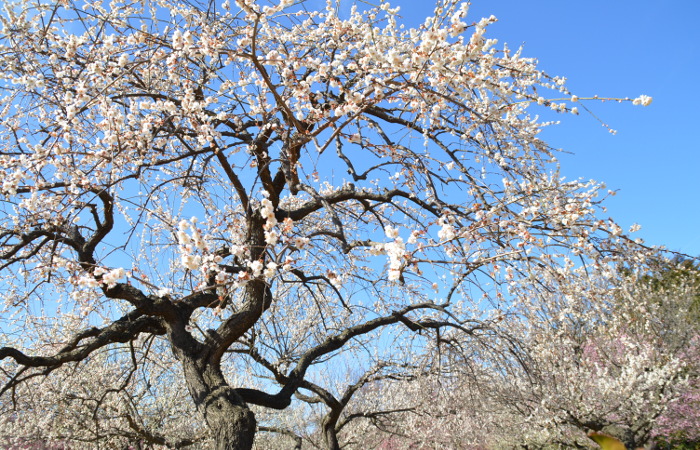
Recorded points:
(676, 291)
(598, 361)
(618, 358)
(266, 189)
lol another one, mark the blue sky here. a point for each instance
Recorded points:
(618, 48)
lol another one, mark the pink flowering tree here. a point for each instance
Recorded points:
(260, 188)
(680, 423)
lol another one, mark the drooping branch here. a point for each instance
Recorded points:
(152, 437)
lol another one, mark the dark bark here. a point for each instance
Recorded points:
(232, 423)
(330, 434)
(227, 415)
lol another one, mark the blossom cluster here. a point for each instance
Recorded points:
(102, 276)
(268, 213)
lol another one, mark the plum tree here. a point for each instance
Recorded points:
(266, 188)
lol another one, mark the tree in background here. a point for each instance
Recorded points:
(676, 288)
(130, 395)
(600, 364)
(618, 358)
(262, 189)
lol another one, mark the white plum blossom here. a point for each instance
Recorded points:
(238, 251)
(106, 277)
(271, 237)
(88, 281)
(270, 269)
(391, 232)
(376, 249)
(447, 230)
(111, 278)
(267, 211)
(300, 242)
(163, 292)
(396, 251)
(642, 100)
(615, 229)
(192, 262)
(256, 267)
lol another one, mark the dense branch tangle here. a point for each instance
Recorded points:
(341, 172)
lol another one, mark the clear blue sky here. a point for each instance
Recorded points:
(618, 48)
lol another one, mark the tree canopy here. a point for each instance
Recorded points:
(265, 193)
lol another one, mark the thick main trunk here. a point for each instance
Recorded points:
(231, 421)
(329, 433)
(226, 414)
(228, 417)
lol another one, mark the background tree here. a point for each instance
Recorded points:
(617, 357)
(598, 363)
(131, 396)
(260, 179)
(676, 289)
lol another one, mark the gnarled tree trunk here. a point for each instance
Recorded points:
(226, 414)
(231, 421)
(229, 418)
